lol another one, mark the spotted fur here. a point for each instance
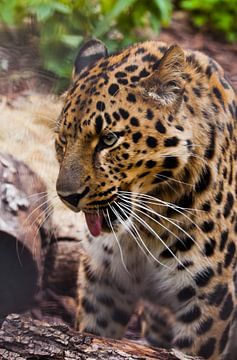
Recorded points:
(172, 116)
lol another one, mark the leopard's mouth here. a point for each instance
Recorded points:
(105, 219)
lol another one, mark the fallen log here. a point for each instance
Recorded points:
(22, 338)
(61, 267)
(22, 238)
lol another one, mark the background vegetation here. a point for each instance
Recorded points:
(63, 24)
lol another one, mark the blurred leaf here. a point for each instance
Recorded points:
(62, 8)
(199, 20)
(43, 12)
(165, 9)
(72, 40)
(218, 16)
(8, 13)
(63, 24)
(232, 37)
(119, 7)
(155, 23)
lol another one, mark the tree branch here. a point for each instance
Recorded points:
(22, 338)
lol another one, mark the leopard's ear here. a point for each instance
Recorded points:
(90, 52)
(165, 84)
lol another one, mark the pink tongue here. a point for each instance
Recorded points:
(94, 223)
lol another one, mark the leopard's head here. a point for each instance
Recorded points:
(121, 130)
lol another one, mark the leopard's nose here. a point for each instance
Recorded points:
(74, 198)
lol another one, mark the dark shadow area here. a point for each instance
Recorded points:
(18, 276)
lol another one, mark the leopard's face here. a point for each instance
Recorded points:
(118, 134)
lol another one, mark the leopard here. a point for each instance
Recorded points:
(147, 149)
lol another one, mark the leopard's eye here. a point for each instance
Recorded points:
(62, 139)
(109, 139)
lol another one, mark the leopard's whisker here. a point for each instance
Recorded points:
(145, 202)
(116, 239)
(158, 201)
(146, 208)
(163, 226)
(142, 222)
(145, 246)
(39, 206)
(169, 185)
(170, 221)
(177, 209)
(30, 226)
(45, 117)
(193, 155)
(37, 228)
(36, 199)
(166, 218)
(40, 196)
(50, 211)
(130, 230)
(172, 206)
(47, 214)
(42, 193)
(172, 179)
(48, 202)
(142, 245)
(39, 216)
(160, 215)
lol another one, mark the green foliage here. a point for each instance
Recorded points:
(219, 16)
(64, 24)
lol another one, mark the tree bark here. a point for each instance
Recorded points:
(61, 267)
(22, 338)
(21, 235)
